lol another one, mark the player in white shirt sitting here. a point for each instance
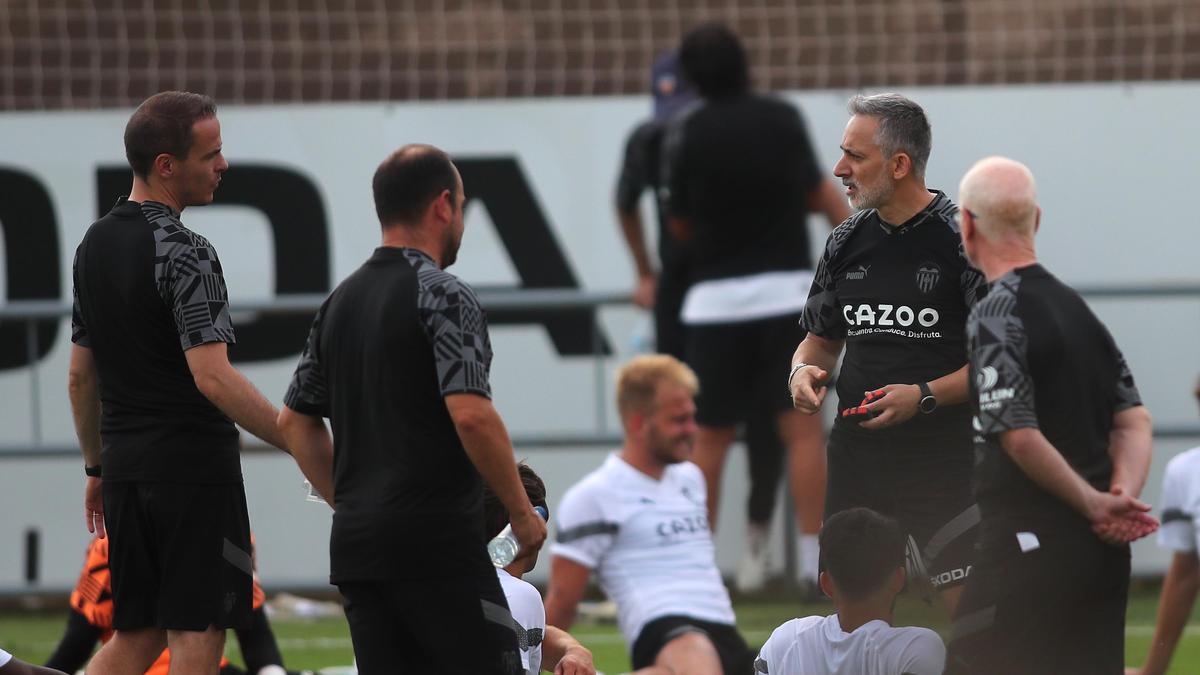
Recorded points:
(863, 557)
(1180, 532)
(13, 666)
(639, 522)
(540, 645)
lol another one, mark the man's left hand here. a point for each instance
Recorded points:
(93, 506)
(577, 661)
(892, 404)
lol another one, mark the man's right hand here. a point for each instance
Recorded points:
(643, 293)
(529, 528)
(808, 389)
(1119, 519)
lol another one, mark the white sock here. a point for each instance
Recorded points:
(810, 556)
(756, 537)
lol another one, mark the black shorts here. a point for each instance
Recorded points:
(736, 656)
(924, 482)
(1058, 609)
(668, 300)
(179, 555)
(742, 367)
(440, 624)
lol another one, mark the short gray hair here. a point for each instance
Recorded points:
(903, 126)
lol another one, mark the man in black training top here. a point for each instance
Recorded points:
(398, 360)
(150, 329)
(1063, 445)
(893, 288)
(741, 178)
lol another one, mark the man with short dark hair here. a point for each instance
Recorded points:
(741, 178)
(1063, 450)
(150, 329)
(543, 647)
(863, 556)
(893, 290)
(398, 360)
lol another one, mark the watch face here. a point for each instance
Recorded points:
(928, 404)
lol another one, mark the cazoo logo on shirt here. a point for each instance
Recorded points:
(885, 318)
(677, 527)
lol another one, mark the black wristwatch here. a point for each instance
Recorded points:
(93, 471)
(928, 402)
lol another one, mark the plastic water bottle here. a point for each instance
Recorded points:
(642, 339)
(311, 494)
(503, 549)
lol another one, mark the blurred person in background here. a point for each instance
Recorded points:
(862, 555)
(662, 291)
(91, 614)
(543, 647)
(399, 360)
(640, 523)
(740, 178)
(1063, 445)
(150, 331)
(1180, 534)
(893, 289)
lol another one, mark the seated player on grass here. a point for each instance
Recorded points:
(863, 557)
(640, 522)
(542, 647)
(14, 666)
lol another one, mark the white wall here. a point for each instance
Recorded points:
(1110, 161)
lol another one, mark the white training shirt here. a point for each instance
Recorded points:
(817, 645)
(1180, 529)
(648, 542)
(5, 657)
(527, 609)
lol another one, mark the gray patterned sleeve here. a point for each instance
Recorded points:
(79, 333)
(308, 393)
(822, 316)
(974, 284)
(1127, 391)
(191, 283)
(457, 329)
(999, 361)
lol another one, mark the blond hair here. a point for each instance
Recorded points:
(638, 381)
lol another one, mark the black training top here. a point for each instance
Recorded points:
(899, 297)
(1041, 359)
(146, 290)
(741, 170)
(640, 171)
(390, 342)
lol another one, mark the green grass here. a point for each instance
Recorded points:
(326, 642)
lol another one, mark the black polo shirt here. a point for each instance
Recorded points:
(640, 170)
(899, 297)
(1041, 359)
(391, 341)
(146, 289)
(741, 170)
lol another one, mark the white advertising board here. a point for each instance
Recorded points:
(1113, 164)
